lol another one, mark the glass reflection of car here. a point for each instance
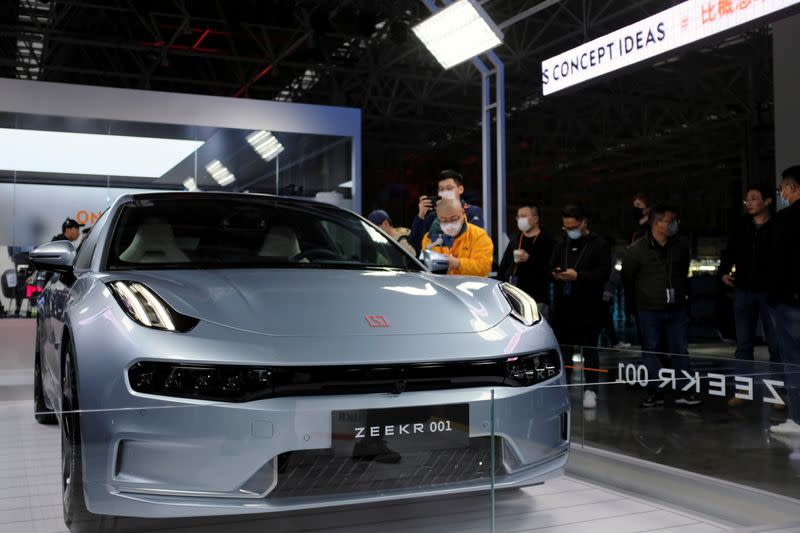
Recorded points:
(210, 354)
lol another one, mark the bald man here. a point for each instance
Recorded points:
(469, 247)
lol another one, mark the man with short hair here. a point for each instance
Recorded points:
(526, 261)
(785, 293)
(469, 247)
(748, 252)
(580, 266)
(380, 218)
(451, 186)
(70, 231)
(656, 270)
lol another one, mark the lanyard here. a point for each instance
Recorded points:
(519, 247)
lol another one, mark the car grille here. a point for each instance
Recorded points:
(321, 473)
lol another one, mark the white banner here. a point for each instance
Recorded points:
(678, 26)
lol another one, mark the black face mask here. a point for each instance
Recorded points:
(637, 213)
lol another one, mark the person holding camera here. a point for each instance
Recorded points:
(526, 260)
(450, 187)
(469, 247)
(580, 265)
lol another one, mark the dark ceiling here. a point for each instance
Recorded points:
(705, 112)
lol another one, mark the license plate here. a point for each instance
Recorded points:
(365, 432)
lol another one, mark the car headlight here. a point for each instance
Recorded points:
(145, 307)
(523, 307)
(203, 382)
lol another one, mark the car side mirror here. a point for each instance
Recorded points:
(58, 256)
(435, 262)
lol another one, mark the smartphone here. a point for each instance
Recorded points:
(556, 270)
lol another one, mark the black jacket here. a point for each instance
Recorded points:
(748, 250)
(590, 256)
(59, 237)
(785, 257)
(649, 270)
(534, 274)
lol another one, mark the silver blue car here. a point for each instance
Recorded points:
(214, 354)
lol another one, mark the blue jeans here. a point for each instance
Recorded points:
(748, 307)
(787, 329)
(664, 331)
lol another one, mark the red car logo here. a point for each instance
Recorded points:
(377, 321)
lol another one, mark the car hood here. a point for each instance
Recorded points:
(297, 302)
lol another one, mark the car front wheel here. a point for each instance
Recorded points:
(76, 516)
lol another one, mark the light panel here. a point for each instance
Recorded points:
(58, 152)
(458, 32)
(220, 173)
(190, 184)
(265, 144)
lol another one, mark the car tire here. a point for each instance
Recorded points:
(42, 414)
(76, 516)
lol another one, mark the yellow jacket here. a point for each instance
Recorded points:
(473, 248)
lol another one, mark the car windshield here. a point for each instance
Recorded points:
(246, 232)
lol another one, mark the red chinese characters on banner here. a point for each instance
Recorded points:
(709, 12)
(725, 8)
(712, 10)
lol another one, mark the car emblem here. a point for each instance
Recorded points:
(377, 321)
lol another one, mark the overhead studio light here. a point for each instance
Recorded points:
(459, 32)
(58, 152)
(190, 184)
(221, 175)
(265, 144)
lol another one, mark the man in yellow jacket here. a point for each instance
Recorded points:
(470, 248)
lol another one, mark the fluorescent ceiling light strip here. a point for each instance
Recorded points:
(265, 144)
(221, 175)
(458, 32)
(190, 184)
(57, 152)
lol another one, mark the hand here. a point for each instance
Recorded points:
(522, 256)
(727, 280)
(425, 206)
(568, 275)
(454, 263)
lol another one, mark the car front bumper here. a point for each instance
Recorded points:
(177, 458)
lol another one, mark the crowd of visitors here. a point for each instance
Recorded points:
(574, 280)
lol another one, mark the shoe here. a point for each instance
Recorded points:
(687, 400)
(790, 427)
(736, 402)
(622, 345)
(652, 399)
(589, 399)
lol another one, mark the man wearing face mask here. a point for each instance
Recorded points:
(469, 247)
(785, 293)
(526, 260)
(641, 216)
(450, 187)
(580, 266)
(655, 270)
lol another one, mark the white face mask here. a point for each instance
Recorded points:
(447, 195)
(452, 228)
(523, 224)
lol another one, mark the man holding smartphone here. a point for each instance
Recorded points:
(580, 266)
(450, 187)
